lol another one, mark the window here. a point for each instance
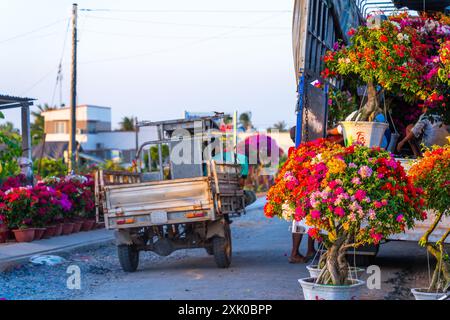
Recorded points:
(92, 126)
(60, 127)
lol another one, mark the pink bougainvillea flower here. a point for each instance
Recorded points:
(300, 213)
(365, 172)
(360, 195)
(339, 211)
(315, 214)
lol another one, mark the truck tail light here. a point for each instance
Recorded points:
(195, 215)
(125, 221)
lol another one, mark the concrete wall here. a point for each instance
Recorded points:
(84, 113)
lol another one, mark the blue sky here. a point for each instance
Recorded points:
(154, 59)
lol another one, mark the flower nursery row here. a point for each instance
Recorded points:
(51, 207)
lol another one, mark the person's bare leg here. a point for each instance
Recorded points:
(296, 257)
(311, 250)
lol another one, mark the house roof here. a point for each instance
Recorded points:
(78, 106)
(7, 101)
(52, 149)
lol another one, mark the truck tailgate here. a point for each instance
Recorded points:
(160, 202)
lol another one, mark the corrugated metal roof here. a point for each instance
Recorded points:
(420, 5)
(370, 7)
(8, 100)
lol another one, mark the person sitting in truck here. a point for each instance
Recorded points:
(429, 130)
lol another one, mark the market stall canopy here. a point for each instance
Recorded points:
(9, 102)
(421, 5)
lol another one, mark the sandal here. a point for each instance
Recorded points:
(297, 259)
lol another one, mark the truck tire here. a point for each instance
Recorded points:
(209, 250)
(222, 249)
(128, 257)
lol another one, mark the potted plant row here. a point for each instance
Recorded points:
(349, 197)
(59, 206)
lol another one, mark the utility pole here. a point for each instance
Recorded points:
(73, 94)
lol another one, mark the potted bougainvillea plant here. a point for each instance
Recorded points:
(401, 55)
(432, 173)
(80, 192)
(18, 210)
(348, 197)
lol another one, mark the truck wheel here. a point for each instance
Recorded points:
(209, 250)
(222, 249)
(128, 257)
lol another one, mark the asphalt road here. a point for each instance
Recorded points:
(259, 270)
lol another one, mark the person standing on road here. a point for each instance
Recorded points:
(297, 233)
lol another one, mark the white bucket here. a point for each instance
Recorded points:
(422, 294)
(353, 273)
(313, 291)
(370, 134)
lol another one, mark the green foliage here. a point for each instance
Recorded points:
(155, 157)
(8, 127)
(112, 166)
(9, 153)
(50, 167)
(280, 126)
(127, 124)
(340, 104)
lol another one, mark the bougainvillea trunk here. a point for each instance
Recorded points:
(441, 275)
(372, 106)
(335, 269)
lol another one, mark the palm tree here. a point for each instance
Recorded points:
(8, 127)
(37, 127)
(127, 124)
(281, 126)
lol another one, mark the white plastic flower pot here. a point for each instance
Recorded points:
(423, 294)
(313, 291)
(314, 271)
(370, 134)
(354, 272)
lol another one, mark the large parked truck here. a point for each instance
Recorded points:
(317, 25)
(180, 206)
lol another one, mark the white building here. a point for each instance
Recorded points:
(94, 132)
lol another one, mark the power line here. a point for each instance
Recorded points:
(59, 74)
(31, 32)
(128, 35)
(185, 45)
(185, 11)
(182, 24)
(38, 82)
